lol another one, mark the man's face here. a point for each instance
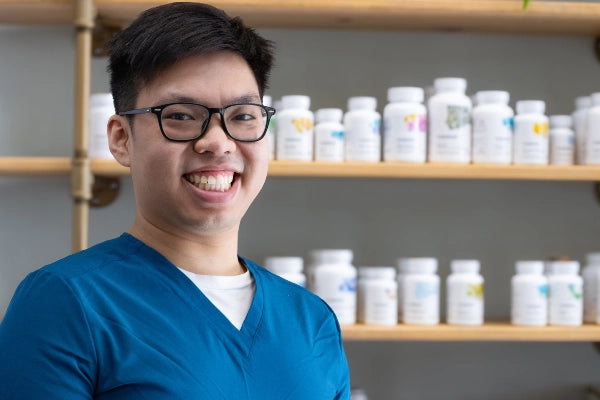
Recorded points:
(166, 175)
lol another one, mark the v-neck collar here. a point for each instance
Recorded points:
(205, 311)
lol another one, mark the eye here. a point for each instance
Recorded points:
(178, 116)
(243, 117)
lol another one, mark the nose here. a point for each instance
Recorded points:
(215, 140)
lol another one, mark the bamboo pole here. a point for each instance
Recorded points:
(81, 178)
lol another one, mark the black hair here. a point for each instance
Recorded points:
(163, 35)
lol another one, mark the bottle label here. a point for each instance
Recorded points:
(450, 133)
(329, 144)
(339, 292)
(465, 303)
(405, 137)
(363, 139)
(421, 302)
(377, 304)
(531, 144)
(294, 138)
(530, 303)
(566, 304)
(492, 139)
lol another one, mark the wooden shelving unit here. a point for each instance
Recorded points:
(490, 331)
(491, 16)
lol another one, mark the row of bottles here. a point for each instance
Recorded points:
(449, 129)
(542, 293)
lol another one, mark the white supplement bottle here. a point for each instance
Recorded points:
(289, 268)
(362, 130)
(530, 141)
(402, 265)
(529, 304)
(329, 135)
(582, 105)
(405, 125)
(421, 291)
(492, 128)
(377, 296)
(101, 109)
(565, 300)
(590, 273)
(334, 280)
(450, 122)
(464, 289)
(592, 143)
(562, 140)
(295, 129)
(270, 136)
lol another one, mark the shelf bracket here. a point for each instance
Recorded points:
(105, 190)
(101, 35)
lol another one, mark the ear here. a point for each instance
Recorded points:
(119, 139)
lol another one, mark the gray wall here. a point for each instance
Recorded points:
(497, 222)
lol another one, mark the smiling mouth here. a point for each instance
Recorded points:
(214, 183)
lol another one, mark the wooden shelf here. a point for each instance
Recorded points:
(29, 166)
(62, 166)
(503, 16)
(490, 331)
(401, 170)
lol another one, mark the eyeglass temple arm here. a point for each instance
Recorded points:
(138, 111)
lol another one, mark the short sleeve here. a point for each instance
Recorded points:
(47, 351)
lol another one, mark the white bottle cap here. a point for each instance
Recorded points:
(267, 100)
(450, 85)
(561, 121)
(279, 265)
(333, 256)
(388, 273)
(492, 97)
(362, 103)
(564, 267)
(583, 102)
(595, 99)
(101, 100)
(592, 258)
(328, 115)
(295, 101)
(465, 266)
(405, 94)
(412, 265)
(529, 267)
(531, 107)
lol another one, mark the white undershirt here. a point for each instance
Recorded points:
(232, 295)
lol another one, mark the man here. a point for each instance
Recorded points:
(168, 310)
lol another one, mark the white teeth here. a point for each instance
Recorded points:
(220, 183)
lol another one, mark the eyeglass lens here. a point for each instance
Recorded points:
(188, 121)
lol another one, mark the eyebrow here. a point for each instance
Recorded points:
(177, 98)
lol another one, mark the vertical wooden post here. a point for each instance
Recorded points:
(81, 177)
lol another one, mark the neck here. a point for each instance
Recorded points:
(212, 253)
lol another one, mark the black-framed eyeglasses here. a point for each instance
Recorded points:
(185, 122)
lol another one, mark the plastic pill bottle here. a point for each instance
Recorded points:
(270, 136)
(590, 274)
(464, 290)
(362, 130)
(329, 135)
(492, 128)
(562, 140)
(289, 268)
(529, 304)
(592, 143)
(405, 125)
(421, 291)
(377, 296)
(450, 122)
(101, 109)
(565, 297)
(333, 279)
(582, 105)
(530, 141)
(295, 129)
